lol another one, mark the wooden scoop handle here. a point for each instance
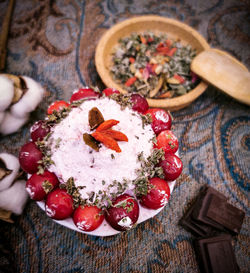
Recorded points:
(224, 72)
(4, 34)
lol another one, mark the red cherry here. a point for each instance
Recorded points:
(84, 93)
(123, 213)
(161, 120)
(88, 218)
(39, 130)
(158, 195)
(37, 182)
(160, 114)
(29, 156)
(110, 91)
(59, 204)
(57, 106)
(139, 103)
(172, 167)
(158, 126)
(167, 141)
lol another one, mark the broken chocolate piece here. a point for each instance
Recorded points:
(211, 213)
(225, 214)
(195, 227)
(95, 118)
(4, 171)
(201, 208)
(215, 254)
(90, 141)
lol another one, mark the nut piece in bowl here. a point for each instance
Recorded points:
(175, 31)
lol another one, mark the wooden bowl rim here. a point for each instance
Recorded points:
(172, 104)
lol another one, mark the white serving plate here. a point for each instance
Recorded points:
(105, 229)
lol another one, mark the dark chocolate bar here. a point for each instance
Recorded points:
(216, 255)
(211, 213)
(225, 214)
(195, 227)
(201, 208)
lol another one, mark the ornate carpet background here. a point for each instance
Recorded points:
(54, 42)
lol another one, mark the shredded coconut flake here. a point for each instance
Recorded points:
(90, 168)
(50, 212)
(30, 191)
(83, 225)
(125, 222)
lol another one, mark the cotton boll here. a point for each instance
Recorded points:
(6, 92)
(11, 124)
(29, 100)
(14, 198)
(2, 114)
(19, 87)
(12, 163)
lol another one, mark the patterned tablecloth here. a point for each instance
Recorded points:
(54, 42)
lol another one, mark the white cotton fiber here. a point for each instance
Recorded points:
(11, 124)
(29, 100)
(1, 116)
(14, 198)
(12, 163)
(6, 92)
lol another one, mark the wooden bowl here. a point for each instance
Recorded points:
(174, 29)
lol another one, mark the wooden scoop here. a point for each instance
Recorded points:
(224, 72)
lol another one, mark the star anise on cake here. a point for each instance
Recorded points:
(104, 133)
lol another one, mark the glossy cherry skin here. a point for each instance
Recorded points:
(158, 194)
(139, 103)
(29, 156)
(84, 93)
(158, 126)
(123, 218)
(161, 120)
(34, 184)
(59, 204)
(110, 91)
(167, 141)
(88, 218)
(172, 167)
(57, 106)
(39, 130)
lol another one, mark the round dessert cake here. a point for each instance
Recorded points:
(101, 164)
(100, 169)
